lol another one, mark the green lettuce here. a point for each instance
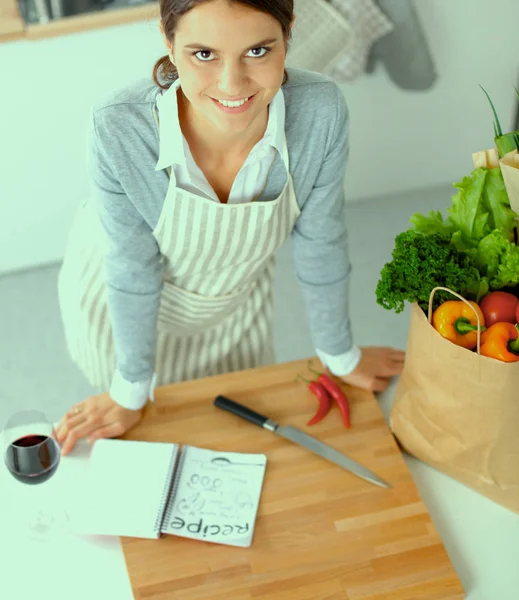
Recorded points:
(468, 212)
(480, 225)
(480, 206)
(497, 258)
(432, 223)
(495, 198)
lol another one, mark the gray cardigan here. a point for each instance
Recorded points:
(129, 195)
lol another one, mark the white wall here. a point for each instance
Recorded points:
(400, 140)
(47, 90)
(404, 140)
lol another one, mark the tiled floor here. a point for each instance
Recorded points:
(36, 372)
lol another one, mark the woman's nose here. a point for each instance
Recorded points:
(232, 81)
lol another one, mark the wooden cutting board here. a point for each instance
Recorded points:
(321, 532)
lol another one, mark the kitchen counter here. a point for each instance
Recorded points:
(481, 538)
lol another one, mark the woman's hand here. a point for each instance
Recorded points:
(96, 417)
(376, 367)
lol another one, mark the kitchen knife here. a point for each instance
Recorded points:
(300, 437)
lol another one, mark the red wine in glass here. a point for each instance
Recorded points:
(32, 458)
(32, 455)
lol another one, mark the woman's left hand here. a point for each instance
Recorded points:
(94, 418)
(377, 366)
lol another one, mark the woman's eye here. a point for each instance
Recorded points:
(207, 55)
(204, 55)
(259, 52)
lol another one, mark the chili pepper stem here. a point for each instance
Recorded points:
(310, 368)
(303, 379)
(513, 345)
(463, 326)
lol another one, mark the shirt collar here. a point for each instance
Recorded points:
(172, 141)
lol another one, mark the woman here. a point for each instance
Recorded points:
(199, 178)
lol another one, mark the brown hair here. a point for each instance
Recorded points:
(165, 73)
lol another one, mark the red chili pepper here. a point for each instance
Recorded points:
(336, 393)
(325, 401)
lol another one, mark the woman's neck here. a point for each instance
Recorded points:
(203, 137)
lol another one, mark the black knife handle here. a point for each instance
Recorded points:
(240, 410)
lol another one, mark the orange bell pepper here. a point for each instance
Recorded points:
(456, 322)
(501, 341)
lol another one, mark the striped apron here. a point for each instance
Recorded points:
(216, 306)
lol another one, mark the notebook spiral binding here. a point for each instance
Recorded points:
(169, 491)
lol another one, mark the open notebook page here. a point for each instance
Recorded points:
(128, 482)
(216, 496)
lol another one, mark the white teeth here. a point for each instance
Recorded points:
(229, 104)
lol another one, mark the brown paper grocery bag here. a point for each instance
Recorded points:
(458, 411)
(510, 168)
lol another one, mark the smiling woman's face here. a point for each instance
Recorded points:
(229, 54)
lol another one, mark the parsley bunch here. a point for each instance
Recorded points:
(423, 262)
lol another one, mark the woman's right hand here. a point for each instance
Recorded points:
(95, 418)
(377, 366)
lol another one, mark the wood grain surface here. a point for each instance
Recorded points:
(321, 532)
(11, 22)
(93, 20)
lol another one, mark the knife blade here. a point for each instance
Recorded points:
(301, 438)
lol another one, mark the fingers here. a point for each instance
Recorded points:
(98, 417)
(79, 427)
(389, 361)
(71, 419)
(397, 356)
(390, 369)
(387, 352)
(374, 384)
(73, 436)
(379, 384)
(371, 383)
(78, 422)
(111, 430)
(67, 425)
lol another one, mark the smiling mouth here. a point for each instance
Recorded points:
(234, 103)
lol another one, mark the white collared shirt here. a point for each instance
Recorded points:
(250, 181)
(175, 152)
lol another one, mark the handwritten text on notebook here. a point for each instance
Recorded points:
(215, 497)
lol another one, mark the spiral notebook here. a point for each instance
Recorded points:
(151, 489)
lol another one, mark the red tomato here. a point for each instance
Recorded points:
(498, 307)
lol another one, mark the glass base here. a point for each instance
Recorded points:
(45, 524)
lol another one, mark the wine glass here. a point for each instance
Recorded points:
(32, 455)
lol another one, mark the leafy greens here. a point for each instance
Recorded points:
(481, 224)
(471, 251)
